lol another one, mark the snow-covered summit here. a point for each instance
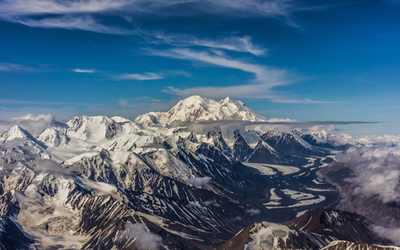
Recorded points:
(15, 132)
(93, 128)
(20, 143)
(54, 136)
(197, 108)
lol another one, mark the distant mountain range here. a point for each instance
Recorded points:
(195, 177)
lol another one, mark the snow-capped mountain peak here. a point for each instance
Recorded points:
(15, 132)
(197, 108)
(93, 128)
(54, 136)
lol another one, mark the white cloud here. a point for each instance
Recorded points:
(233, 43)
(240, 44)
(266, 77)
(138, 102)
(8, 101)
(239, 91)
(77, 70)
(305, 101)
(253, 211)
(263, 73)
(152, 75)
(37, 7)
(392, 234)
(81, 22)
(376, 169)
(130, 108)
(198, 181)
(71, 14)
(140, 77)
(251, 7)
(34, 124)
(8, 67)
(139, 236)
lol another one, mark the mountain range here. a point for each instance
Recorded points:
(204, 175)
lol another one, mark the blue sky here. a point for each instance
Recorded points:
(304, 60)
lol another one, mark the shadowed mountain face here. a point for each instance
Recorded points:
(341, 225)
(241, 150)
(12, 235)
(267, 235)
(313, 230)
(341, 245)
(263, 153)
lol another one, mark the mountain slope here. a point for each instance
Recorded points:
(345, 245)
(12, 235)
(240, 150)
(265, 235)
(289, 144)
(264, 153)
(341, 225)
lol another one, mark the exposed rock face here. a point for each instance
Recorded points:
(264, 153)
(218, 141)
(335, 223)
(315, 229)
(241, 150)
(12, 236)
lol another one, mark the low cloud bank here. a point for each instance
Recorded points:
(376, 169)
(392, 234)
(198, 181)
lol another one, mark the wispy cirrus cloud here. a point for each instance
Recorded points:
(11, 67)
(264, 74)
(305, 101)
(266, 78)
(78, 14)
(71, 22)
(131, 108)
(151, 75)
(37, 7)
(250, 7)
(140, 77)
(262, 91)
(40, 103)
(233, 43)
(90, 71)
